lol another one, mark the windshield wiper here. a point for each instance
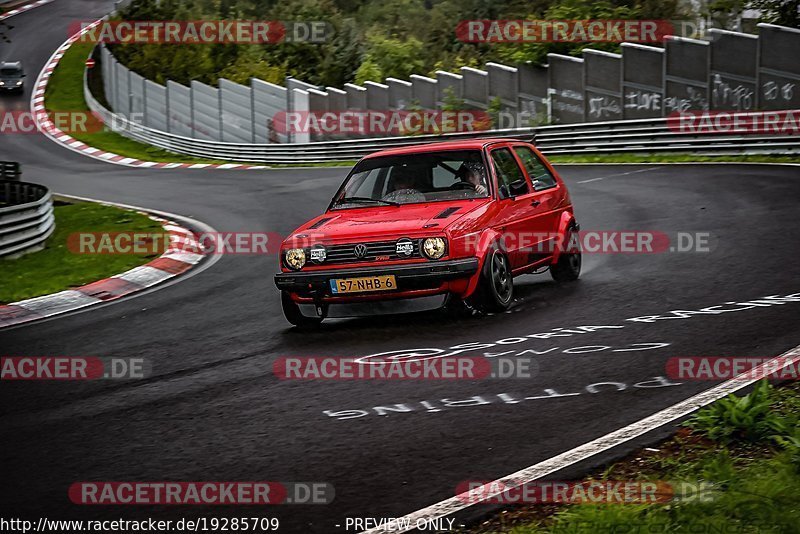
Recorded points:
(356, 200)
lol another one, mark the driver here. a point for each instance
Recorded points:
(472, 173)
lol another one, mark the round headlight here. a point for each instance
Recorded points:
(295, 258)
(433, 247)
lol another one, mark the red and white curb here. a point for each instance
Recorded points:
(23, 9)
(49, 129)
(170, 264)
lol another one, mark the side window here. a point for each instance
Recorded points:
(536, 168)
(510, 180)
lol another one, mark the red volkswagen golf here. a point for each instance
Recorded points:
(413, 227)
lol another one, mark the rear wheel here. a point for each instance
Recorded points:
(292, 313)
(568, 266)
(496, 287)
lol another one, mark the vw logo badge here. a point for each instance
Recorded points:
(360, 250)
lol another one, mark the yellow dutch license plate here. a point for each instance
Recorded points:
(362, 284)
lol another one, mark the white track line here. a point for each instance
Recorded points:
(587, 450)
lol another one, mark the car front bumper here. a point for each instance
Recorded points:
(316, 284)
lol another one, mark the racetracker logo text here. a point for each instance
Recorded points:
(563, 31)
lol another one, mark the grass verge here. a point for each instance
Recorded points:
(55, 268)
(744, 450)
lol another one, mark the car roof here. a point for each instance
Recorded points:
(466, 144)
(11, 65)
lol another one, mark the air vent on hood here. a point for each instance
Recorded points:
(447, 213)
(320, 222)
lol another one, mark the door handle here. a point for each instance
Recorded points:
(535, 202)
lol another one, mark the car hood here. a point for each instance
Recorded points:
(379, 222)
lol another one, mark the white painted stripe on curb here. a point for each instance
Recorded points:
(144, 276)
(185, 257)
(177, 229)
(587, 450)
(48, 305)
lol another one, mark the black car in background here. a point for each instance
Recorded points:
(11, 76)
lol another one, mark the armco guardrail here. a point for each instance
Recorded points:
(635, 136)
(9, 170)
(26, 217)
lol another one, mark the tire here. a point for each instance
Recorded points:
(496, 287)
(568, 266)
(292, 313)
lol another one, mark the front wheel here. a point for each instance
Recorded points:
(292, 313)
(496, 287)
(568, 266)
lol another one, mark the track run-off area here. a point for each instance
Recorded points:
(213, 409)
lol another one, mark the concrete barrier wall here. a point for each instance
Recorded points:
(729, 71)
(475, 87)
(156, 112)
(377, 96)
(565, 88)
(270, 103)
(356, 96)
(423, 91)
(337, 99)
(400, 93)
(448, 83)
(236, 105)
(642, 81)
(602, 74)
(686, 75)
(778, 67)
(206, 112)
(734, 63)
(532, 86)
(179, 102)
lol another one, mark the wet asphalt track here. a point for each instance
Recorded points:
(213, 410)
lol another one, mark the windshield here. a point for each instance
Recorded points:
(415, 178)
(10, 72)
